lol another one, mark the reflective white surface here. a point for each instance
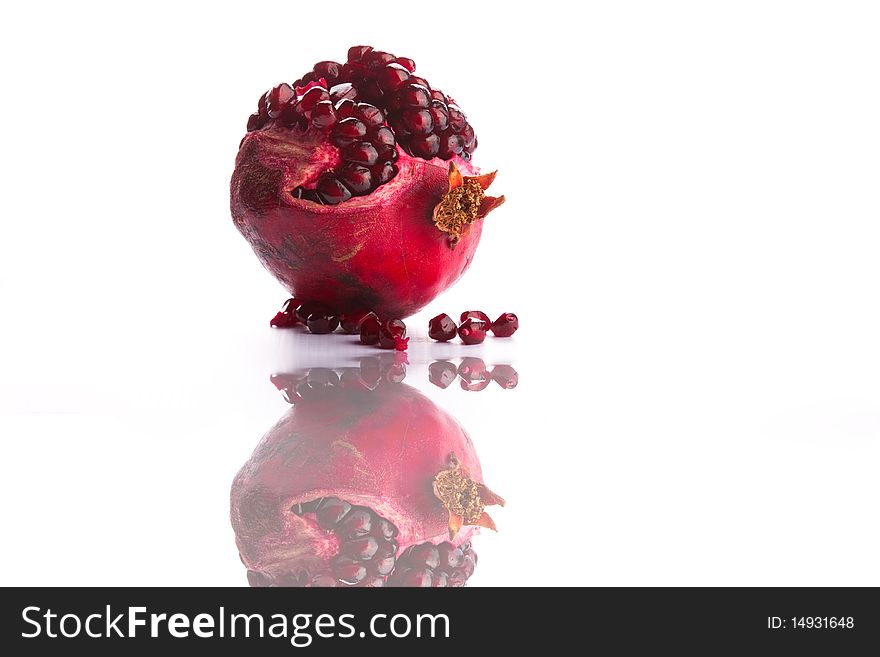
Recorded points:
(691, 248)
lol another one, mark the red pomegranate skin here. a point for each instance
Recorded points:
(379, 448)
(381, 251)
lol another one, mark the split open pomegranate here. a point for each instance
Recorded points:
(356, 188)
(364, 482)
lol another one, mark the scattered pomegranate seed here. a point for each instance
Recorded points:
(351, 323)
(472, 331)
(370, 327)
(477, 314)
(286, 317)
(307, 308)
(505, 326)
(442, 328)
(392, 335)
(322, 323)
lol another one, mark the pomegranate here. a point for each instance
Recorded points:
(356, 188)
(364, 482)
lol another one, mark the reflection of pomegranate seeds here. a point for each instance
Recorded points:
(442, 373)
(505, 376)
(438, 566)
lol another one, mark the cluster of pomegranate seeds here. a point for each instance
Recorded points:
(367, 547)
(369, 105)
(372, 371)
(473, 327)
(367, 555)
(437, 566)
(388, 334)
(473, 373)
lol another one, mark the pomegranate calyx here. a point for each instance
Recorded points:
(465, 499)
(464, 203)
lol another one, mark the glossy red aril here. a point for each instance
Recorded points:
(472, 331)
(369, 328)
(392, 335)
(322, 323)
(505, 326)
(355, 186)
(442, 328)
(476, 314)
(351, 323)
(286, 317)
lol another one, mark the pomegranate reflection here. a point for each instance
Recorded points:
(364, 482)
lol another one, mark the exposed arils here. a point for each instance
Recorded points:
(368, 106)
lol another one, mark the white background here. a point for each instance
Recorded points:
(691, 242)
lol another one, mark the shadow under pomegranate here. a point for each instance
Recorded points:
(361, 483)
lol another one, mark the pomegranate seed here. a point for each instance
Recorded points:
(425, 146)
(344, 91)
(351, 323)
(442, 373)
(277, 98)
(377, 59)
(505, 376)
(370, 369)
(370, 327)
(418, 121)
(414, 96)
(327, 70)
(396, 371)
(383, 173)
(321, 323)
(442, 328)
(331, 190)
(356, 54)
(323, 116)
(474, 375)
(407, 63)
(383, 140)
(345, 109)
(440, 115)
(361, 152)
(312, 97)
(331, 511)
(505, 326)
(306, 308)
(370, 115)
(350, 128)
(283, 320)
(392, 335)
(322, 377)
(357, 178)
(472, 331)
(476, 314)
(392, 77)
(286, 317)
(450, 144)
